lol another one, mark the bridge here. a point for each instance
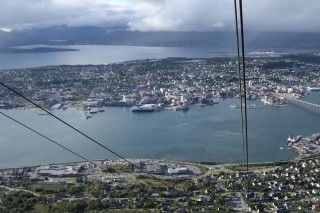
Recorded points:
(304, 104)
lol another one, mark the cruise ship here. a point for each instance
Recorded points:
(143, 108)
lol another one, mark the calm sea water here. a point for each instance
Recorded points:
(210, 133)
(105, 54)
(101, 54)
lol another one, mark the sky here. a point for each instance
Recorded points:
(162, 15)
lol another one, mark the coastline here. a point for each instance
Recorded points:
(139, 159)
(180, 144)
(76, 105)
(119, 160)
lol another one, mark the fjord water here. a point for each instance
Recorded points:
(100, 54)
(105, 54)
(209, 133)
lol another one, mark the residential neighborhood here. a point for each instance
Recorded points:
(287, 186)
(165, 83)
(161, 185)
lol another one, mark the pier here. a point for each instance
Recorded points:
(303, 104)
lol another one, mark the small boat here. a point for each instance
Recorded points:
(252, 106)
(101, 110)
(234, 106)
(281, 147)
(43, 114)
(94, 111)
(56, 106)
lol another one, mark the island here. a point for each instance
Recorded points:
(35, 50)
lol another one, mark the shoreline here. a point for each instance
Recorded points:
(75, 106)
(150, 159)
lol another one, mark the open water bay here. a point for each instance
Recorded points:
(106, 54)
(101, 54)
(209, 133)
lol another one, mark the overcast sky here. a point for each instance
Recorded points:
(155, 15)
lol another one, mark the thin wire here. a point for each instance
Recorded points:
(240, 82)
(244, 88)
(64, 122)
(85, 135)
(56, 143)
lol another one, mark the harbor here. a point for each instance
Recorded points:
(190, 126)
(210, 132)
(305, 146)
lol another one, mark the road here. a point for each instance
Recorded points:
(24, 190)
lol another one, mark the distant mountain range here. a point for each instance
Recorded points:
(121, 36)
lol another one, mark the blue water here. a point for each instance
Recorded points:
(210, 133)
(105, 54)
(101, 54)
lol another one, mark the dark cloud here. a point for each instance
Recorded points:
(259, 15)
(155, 15)
(181, 15)
(284, 15)
(19, 14)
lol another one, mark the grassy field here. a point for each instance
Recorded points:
(119, 168)
(71, 180)
(251, 167)
(161, 183)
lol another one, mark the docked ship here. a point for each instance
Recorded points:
(56, 106)
(94, 111)
(184, 107)
(274, 101)
(291, 139)
(294, 139)
(143, 108)
(181, 108)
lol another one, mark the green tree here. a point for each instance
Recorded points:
(75, 190)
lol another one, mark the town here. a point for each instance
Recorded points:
(171, 83)
(155, 185)
(162, 185)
